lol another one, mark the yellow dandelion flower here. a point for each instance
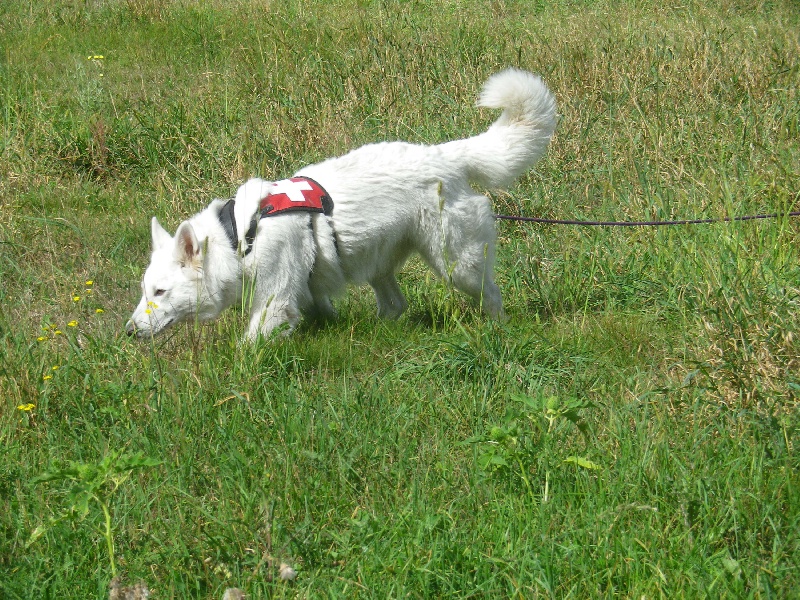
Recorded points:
(56, 367)
(90, 282)
(42, 338)
(76, 298)
(72, 324)
(58, 332)
(99, 311)
(47, 377)
(147, 311)
(26, 407)
(152, 304)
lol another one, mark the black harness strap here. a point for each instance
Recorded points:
(228, 221)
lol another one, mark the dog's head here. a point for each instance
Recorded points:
(173, 289)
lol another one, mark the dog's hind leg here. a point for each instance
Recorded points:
(476, 279)
(472, 272)
(391, 302)
(467, 254)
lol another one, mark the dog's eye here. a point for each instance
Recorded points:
(160, 292)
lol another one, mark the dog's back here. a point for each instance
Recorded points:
(493, 159)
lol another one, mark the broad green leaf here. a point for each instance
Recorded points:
(36, 534)
(532, 403)
(583, 462)
(498, 460)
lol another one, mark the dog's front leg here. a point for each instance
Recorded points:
(284, 254)
(277, 299)
(390, 299)
(274, 315)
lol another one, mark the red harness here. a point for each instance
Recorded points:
(297, 193)
(287, 195)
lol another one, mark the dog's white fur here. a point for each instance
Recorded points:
(390, 200)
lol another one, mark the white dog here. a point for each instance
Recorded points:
(389, 200)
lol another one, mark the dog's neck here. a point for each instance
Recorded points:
(222, 266)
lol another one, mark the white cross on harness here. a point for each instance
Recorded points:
(293, 189)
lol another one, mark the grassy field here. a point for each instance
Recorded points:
(631, 431)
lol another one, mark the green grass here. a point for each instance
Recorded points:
(633, 429)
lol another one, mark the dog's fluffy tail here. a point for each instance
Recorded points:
(517, 139)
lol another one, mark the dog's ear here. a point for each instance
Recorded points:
(160, 236)
(187, 247)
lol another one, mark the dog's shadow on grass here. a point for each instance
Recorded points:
(348, 322)
(432, 320)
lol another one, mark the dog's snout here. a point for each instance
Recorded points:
(130, 328)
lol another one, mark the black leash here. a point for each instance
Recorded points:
(642, 223)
